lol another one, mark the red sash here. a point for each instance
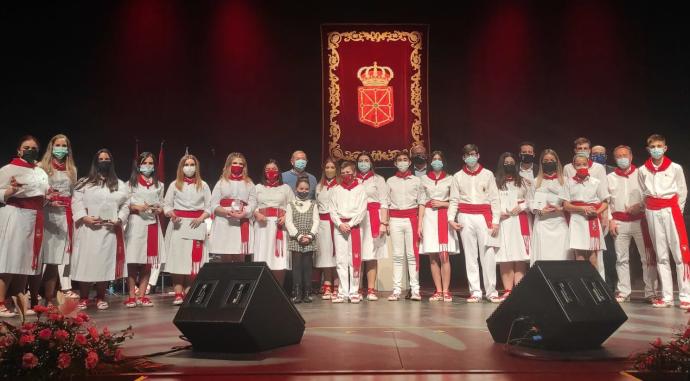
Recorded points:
(67, 202)
(594, 225)
(197, 245)
(244, 225)
(413, 216)
(483, 209)
(119, 252)
(276, 212)
(442, 221)
(356, 235)
(648, 246)
(654, 203)
(32, 203)
(151, 243)
(327, 217)
(374, 218)
(524, 228)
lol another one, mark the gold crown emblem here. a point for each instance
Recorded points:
(375, 75)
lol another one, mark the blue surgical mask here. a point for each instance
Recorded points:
(363, 166)
(656, 152)
(300, 164)
(471, 160)
(60, 152)
(146, 169)
(437, 165)
(599, 158)
(623, 162)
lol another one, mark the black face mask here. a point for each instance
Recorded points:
(30, 155)
(103, 166)
(526, 158)
(419, 160)
(549, 166)
(509, 168)
(302, 195)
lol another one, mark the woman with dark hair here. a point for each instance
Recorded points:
(23, 186)
(270, 236)
(145, 248)
(187, 203)
(511, 248)
(373, 230)
(325, 259)
(440, 240)
(100, 206)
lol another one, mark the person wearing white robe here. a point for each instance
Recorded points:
(145, 246)
(270, 235)
(100, 208)
(23, 186)
(550, 234)
(233, 202)
(325, 259)
(187, 203)
(373, 231)
(439, 239)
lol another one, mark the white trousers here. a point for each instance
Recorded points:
(349, 284)
(627, 232)
(63, 273)
(401, 238)
(665, 239)
(474, 234)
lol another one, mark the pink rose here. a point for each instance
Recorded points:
(45, 334)
(64, 360)
(91, 360)
(118, 355)
(83, 316)
(26, 339)
(54, 317)
(93, 332)
(61, 335)
(106, 332)
(78, 321)
(29, 360)
(80, 339)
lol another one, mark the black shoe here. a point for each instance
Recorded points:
(296, 294)
(409, 294)
(306, 298)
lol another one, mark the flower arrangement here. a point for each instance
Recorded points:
(673, 356)
(60, 343)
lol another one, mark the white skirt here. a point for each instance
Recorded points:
(94, 254)
(178, 250)
(373, 248)
(579, 234)
(17, 241)
(55, 238)
(430, 244)
(226, 236)
(265, 245)
(136, 239)
(513, 246)
(549, 240)
(325, 257)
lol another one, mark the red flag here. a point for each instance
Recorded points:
(161, 165)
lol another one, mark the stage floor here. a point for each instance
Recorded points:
(384, 339)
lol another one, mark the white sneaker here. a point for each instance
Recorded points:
(372, 297)
(337, 299)
(5, 313)
(415, 296)
(102, 305)
(622, 299)
(495, 299)
(661, 303)
(355, 299)
(394, 297)
(474, 299)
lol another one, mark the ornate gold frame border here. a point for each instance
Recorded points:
(334, 41)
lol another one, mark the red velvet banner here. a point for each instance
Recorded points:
(374, 90)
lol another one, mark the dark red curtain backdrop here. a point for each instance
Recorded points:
(348, 48)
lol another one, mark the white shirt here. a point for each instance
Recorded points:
(35, 181)
(236, 190)
(189, 198)
(376, 190)
(406, 193)
(348, 204)
(527, 173)
(323, 197)
(597, 171)
(301, 206)
(624, 191)
(436, 191)
(591, 191)
(664, 184)
(478, 190)
(273, 197)
(552, 190)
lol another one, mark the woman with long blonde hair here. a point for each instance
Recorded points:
(187, 203)
(233, 201)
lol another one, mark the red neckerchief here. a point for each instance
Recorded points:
(236, 178)
(472, 173)
(589, 163)
(403, 175)
(329, 183)
(273, 183)
(625, 173)
(579, 179)
(142, 181)
(432, 175)
(351, 185)
(551, 177)
(665, 163)
(189, 180)
(365, 176)
(22, 163)
(58, 165)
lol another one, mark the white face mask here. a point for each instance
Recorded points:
(189, 170)
(402, 165)
(623, 162)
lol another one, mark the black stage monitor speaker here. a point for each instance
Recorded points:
(238, 308)
(558, 305)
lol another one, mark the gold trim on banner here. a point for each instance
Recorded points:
(334, 40)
